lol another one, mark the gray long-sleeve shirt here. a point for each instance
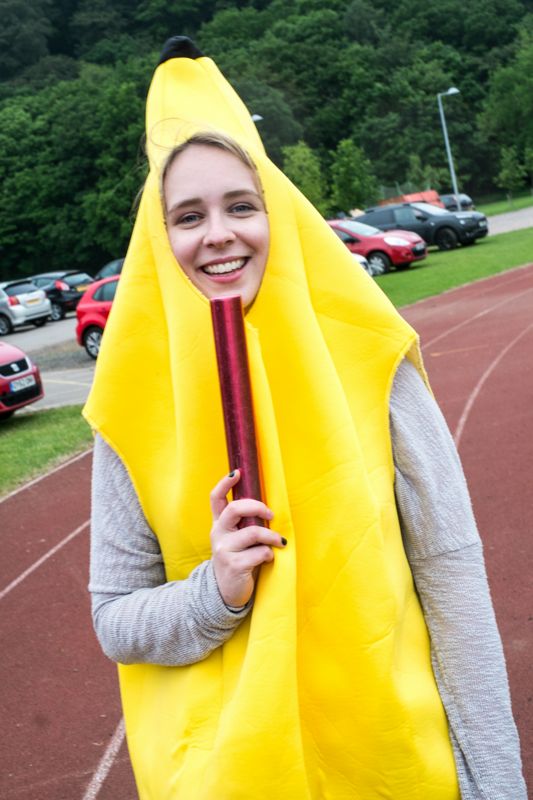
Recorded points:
(140, 617)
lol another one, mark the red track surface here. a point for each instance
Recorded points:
(59, 701)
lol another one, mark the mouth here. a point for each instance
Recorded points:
(224, 267)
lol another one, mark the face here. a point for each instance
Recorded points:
(217, 222)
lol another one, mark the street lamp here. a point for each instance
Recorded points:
(451, 90)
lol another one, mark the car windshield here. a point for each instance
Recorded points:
(358, 228)
(430, 210)
(20, 288)
(77, 279)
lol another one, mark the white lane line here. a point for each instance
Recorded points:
(46, 474)
(479, 385)
(106, 762)
(41, 560)
(472, 319)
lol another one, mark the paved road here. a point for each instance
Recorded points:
(63, 388)
(31, 339)
(511, 221)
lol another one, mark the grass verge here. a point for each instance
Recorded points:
(504, 206)
(445, 270)
(31, 444)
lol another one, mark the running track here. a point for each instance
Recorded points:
(62, 737)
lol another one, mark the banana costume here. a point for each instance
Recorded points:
(326, 690)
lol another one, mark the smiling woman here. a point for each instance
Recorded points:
(216, 217)
(325, 673)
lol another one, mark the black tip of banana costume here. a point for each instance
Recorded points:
(179, 47)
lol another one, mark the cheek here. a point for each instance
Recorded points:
(181, 247)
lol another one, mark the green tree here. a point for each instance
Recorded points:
(507, 116)
(353, 183)
(23, 35)
(303, 167)
(512, 174)
(76, 150)
(528, 164)
(277, 126)
(423, 176)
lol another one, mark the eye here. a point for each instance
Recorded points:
(243, 207)
(188, 219)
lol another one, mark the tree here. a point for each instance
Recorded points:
(507, 116)
(75, 145)
(512, 173)
(353, 183)
(302, 166)
(424, 176)
(277, 128)
(528, 164)
(23, 35)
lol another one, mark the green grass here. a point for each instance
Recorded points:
(444, 270)
(503, 206)
(34, 443)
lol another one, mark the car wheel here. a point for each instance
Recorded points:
(379, 262)
(6, 414)
(5, 325)
(91, 340)
(446, 239)
(39, 322)
(57, 312)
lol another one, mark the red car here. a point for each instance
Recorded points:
(383, 250)
(92, 312)
(20, 380)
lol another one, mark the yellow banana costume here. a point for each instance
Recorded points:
(326, 691)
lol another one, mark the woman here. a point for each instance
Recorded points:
(318, 680)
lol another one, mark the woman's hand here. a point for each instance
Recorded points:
(238, 552)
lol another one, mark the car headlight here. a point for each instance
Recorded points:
(396, 241)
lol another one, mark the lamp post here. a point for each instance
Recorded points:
(451, 90)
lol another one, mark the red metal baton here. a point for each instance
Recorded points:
(235, 388)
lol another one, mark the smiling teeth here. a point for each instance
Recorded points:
(228, 266)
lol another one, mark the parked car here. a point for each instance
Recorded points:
(362, 261)
(64, 290)
(446, 229)
(449, 202)
(396, 248)
(20, 380)
(93, 311)
(111, 268)
(22, 303)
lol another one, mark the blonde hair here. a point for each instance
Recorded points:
(210, 139)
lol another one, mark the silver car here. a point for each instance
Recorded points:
(22, 303)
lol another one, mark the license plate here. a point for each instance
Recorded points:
(22, 383)
(81, 288)
(33, 300)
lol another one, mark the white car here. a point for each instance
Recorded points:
(372, 269)
(22, 303)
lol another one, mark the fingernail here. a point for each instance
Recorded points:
(283, 541)
(232, 474)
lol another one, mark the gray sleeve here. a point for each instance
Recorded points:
(445, 553)
(138, 616)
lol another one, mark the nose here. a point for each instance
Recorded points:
(218, 233)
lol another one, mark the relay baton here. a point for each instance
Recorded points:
(236, 392)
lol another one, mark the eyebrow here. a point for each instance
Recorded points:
(191, 201)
